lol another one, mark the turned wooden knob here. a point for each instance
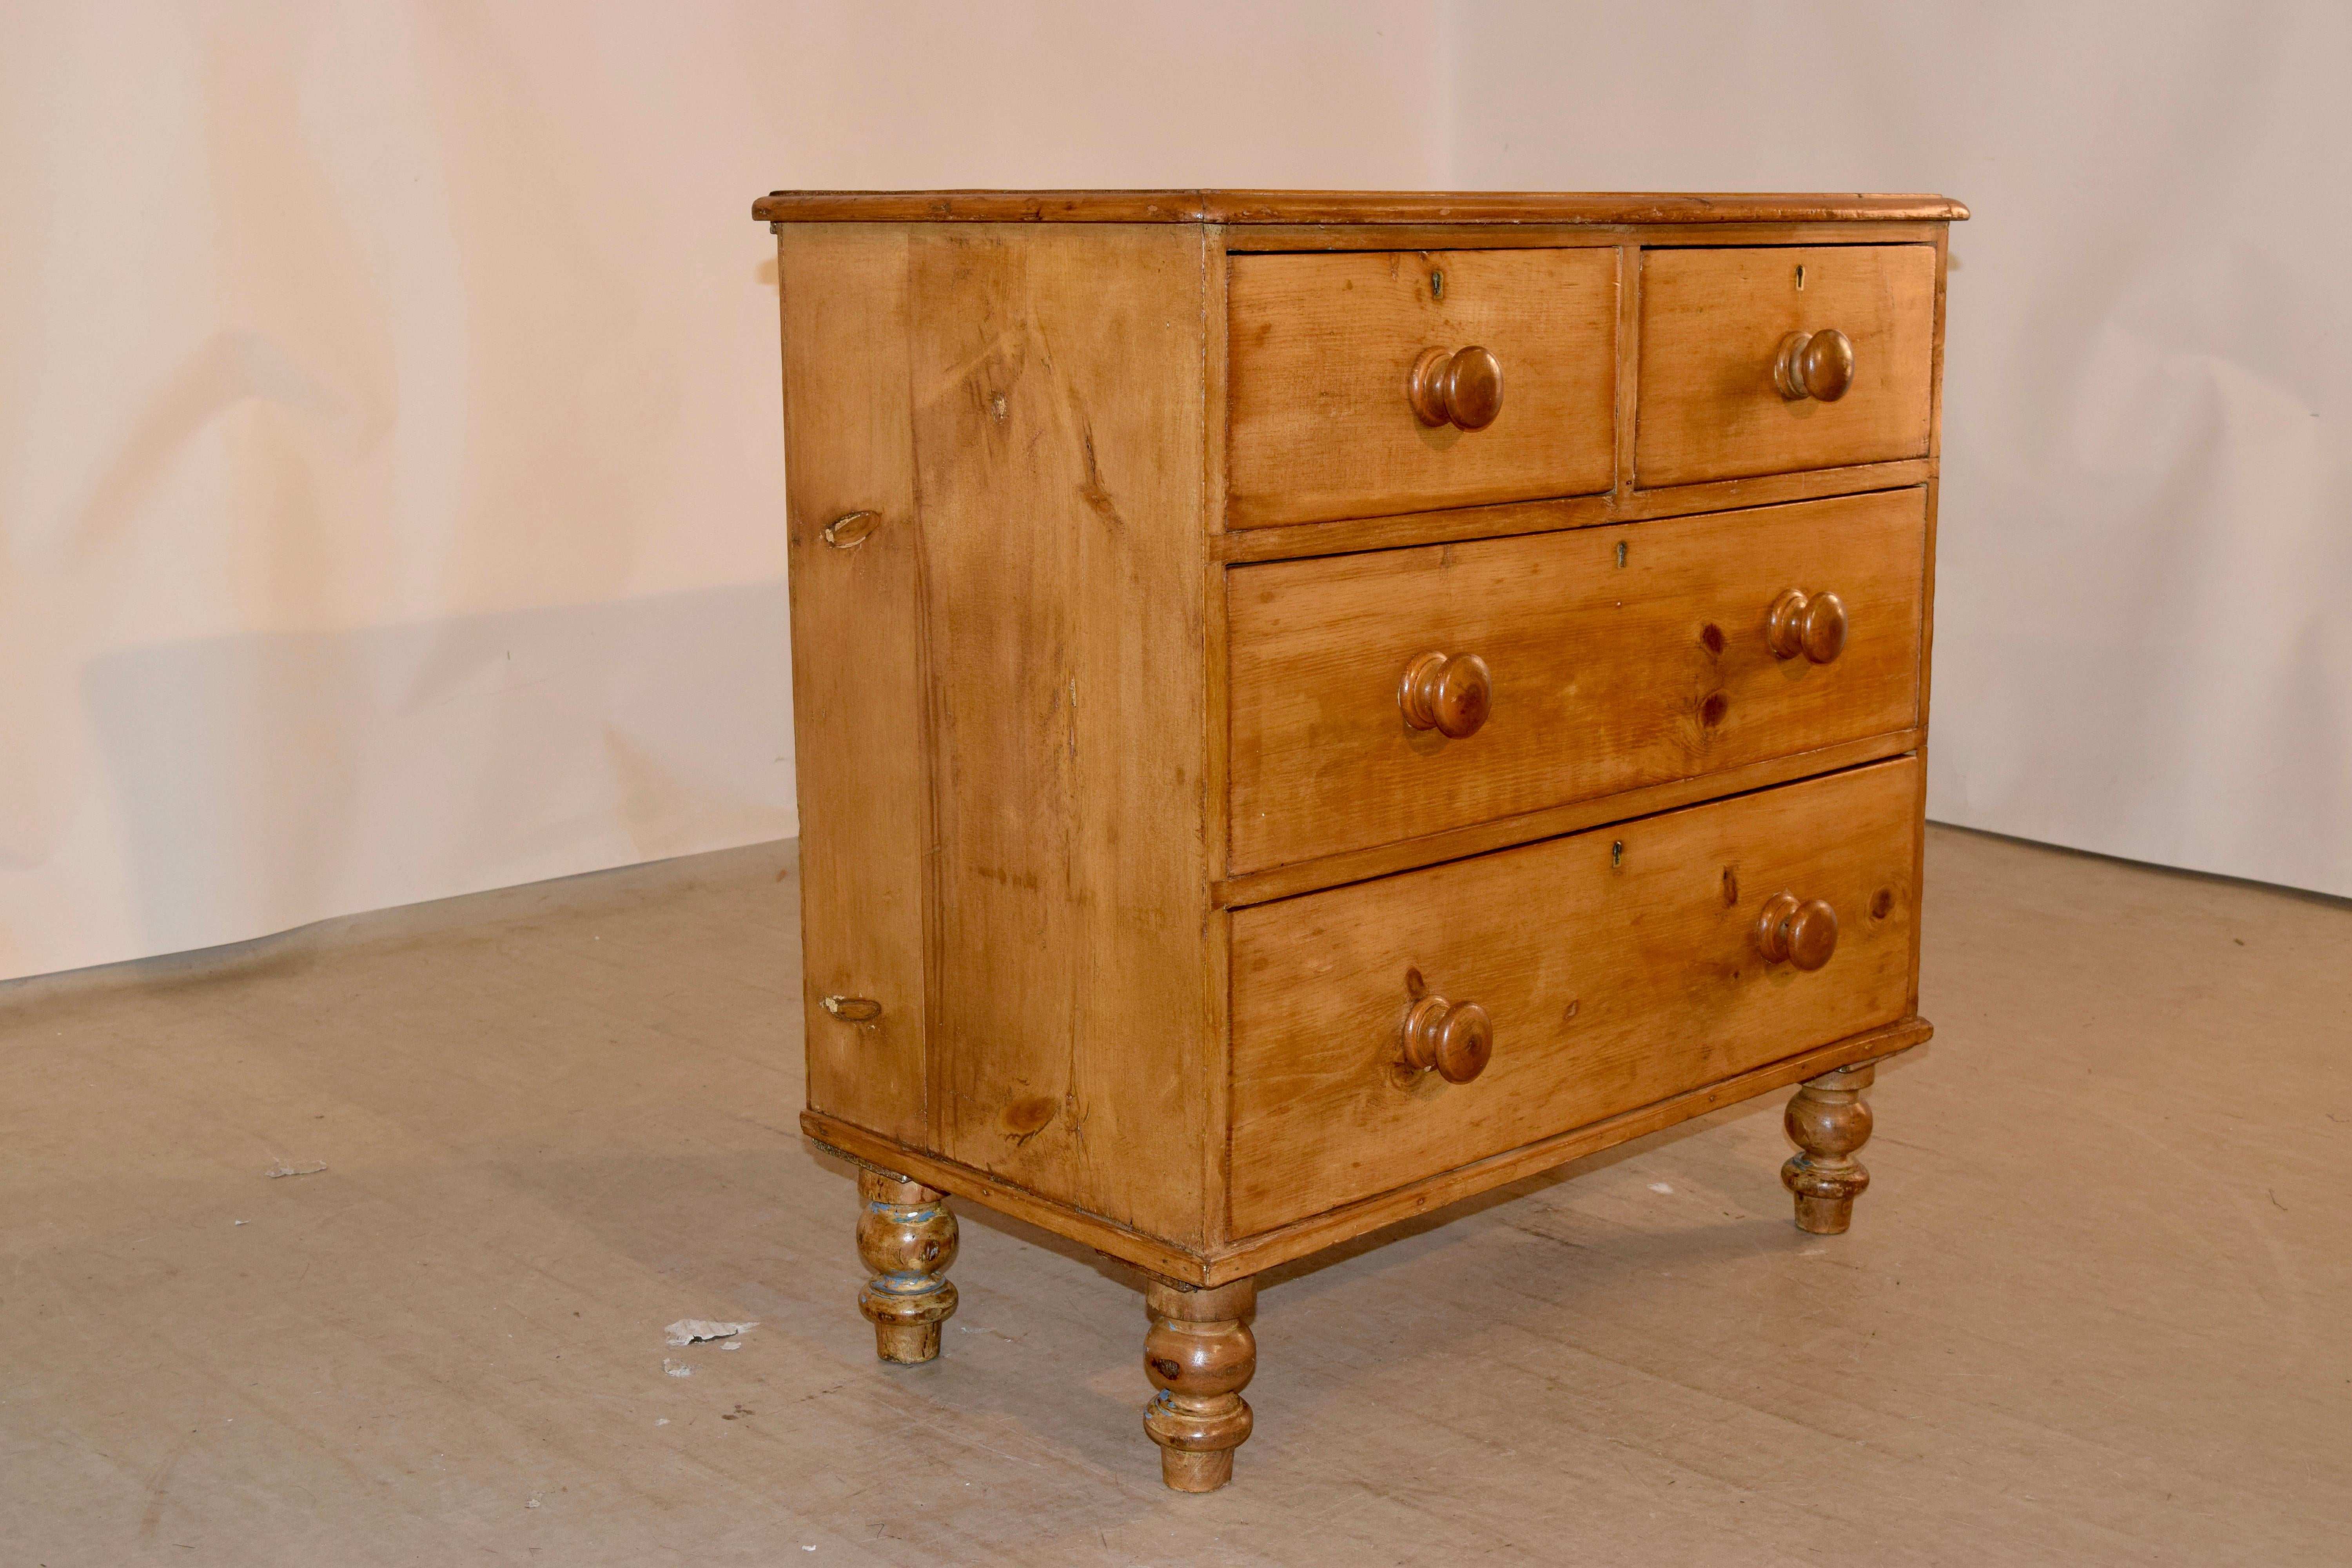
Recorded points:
(1450, 693)
(1456, 1039)
(1463, 387)
(1814, 364)
(1812, 625)
(1802, 933)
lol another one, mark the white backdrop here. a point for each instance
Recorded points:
(390, 485)
(2144, 595)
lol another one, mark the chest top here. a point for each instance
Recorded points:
(1343, 207)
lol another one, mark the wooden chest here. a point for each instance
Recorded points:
(1312, 705)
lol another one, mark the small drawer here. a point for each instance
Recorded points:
(1591, 661)
(1613, 969)
(1714, 402)
(1322, 351)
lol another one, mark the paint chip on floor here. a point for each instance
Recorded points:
(677, 1368)
(1662, 1186)
(694, 1330)
(306, 1168)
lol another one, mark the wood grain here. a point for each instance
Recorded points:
(1605, 677)
(1216, 989)
(1320, 350)
(1935, 495)
(1349, 535)
(1339, 206)
(1828, 1119)
(1198, 1355)
(858, 671)
(1712, 325)
(1618, 967)
(1015, 687)
(1502, 832)
(1054, 377)
(907, 1237)
(1253, 1254)
(864, 1146)
(1628, 373)
(1245, 238)
(1237, 1259)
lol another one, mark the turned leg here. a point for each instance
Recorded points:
(907, 1237)
(1200, 1355)
(1828, 1121)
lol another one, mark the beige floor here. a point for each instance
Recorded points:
(2097, 1307)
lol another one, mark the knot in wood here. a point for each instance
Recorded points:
(907, 1240)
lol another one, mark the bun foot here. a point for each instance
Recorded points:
(1199, 1354)
(907, 1237)
(1828, 1121)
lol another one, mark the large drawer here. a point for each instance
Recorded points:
(1321, 348)
(1618, 968)
(1616, 658)
(1714, 324)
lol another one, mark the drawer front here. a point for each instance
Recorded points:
(1713, 324)
(1604, 677)
(1321, 348)
(1618, 967)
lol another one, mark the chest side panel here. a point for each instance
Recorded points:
(857, 672)
(1055, 381)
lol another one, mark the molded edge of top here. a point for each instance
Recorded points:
(1344, 206)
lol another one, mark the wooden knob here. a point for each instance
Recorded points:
(1804, 935)
(1812, 625)
(1451, 693)
(1456, 1039)
(1814, 364)
(1463, 388)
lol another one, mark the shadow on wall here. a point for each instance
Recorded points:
(265, 781)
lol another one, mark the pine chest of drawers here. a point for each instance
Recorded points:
(1310, 706)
